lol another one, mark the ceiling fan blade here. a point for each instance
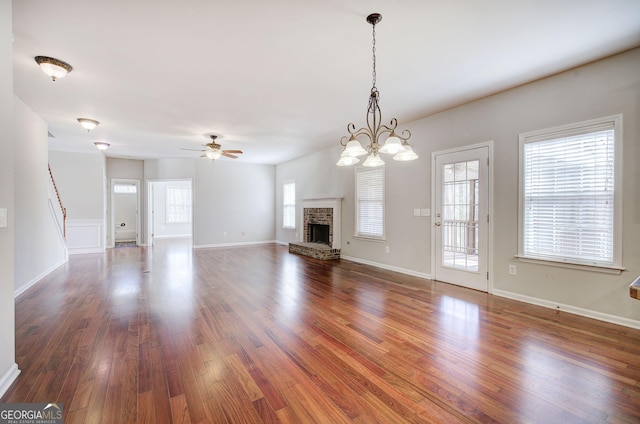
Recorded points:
(228, 155)
(233, 151)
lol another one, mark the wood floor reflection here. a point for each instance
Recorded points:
(255, 334)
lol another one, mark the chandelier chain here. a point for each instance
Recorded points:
(373, 49)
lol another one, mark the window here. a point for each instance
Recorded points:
(122, 188)
(178, 205)
(289, 204)
(370, 202)
(569, 207)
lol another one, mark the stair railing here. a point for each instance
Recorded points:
(62, 213)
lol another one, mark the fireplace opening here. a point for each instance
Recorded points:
(319, 233)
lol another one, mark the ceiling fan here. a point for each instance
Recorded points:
(214, 150)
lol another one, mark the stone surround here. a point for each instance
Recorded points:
(320, 211)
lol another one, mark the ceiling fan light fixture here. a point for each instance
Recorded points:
(213, 154)
(88, 124)
(54, 68)
(102, 145)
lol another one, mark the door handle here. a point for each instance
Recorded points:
(438, 224)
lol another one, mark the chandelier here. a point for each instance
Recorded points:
(394, 144)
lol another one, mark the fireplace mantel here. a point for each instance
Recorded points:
(334, 203)
(324, 202)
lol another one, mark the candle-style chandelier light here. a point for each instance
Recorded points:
(396, 145)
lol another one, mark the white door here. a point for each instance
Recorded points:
(125, 204)
(461, 217)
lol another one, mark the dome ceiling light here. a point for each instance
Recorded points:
(55, 68)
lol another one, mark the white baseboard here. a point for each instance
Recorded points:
(172, 236)
(38, 278)
(8, 378)
(244, 243)
(568, 308)
(388, 267)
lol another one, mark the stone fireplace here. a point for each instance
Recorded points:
(320, 235)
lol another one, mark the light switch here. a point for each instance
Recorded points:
(416, 212)
(3, 218)
(425, 212)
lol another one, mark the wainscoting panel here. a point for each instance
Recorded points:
(85, 236)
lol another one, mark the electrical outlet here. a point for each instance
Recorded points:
(512, 270)
(386, 249)
(3, 218)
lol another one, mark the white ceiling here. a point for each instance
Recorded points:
(282, 78)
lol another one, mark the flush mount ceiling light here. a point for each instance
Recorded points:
(394, 144)
(55, 68)
(88, 124)
(102, 145)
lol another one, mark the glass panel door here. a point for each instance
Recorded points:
(461, 217)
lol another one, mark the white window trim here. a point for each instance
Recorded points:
(558, 131)
(384, 212)
(284, 205)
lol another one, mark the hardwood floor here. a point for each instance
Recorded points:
(255, 334)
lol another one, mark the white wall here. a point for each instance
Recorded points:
(228, 197)
(233, 203)
(8, 368)
(81, 181)
(39, 247)
(600, 89)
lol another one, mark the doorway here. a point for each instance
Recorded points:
(170, 210)
(125, 207)
(460, 240)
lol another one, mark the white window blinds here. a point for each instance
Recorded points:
(289, 205)
(568, 182)
(370, 202)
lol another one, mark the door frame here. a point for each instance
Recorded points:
(115, 181)
(490, 206)
(150, 219)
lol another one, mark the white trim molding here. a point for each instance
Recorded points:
(388, 267)
(8, 378)
(240, 244)
(569, 308)
(85, 236)
(38, 278)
